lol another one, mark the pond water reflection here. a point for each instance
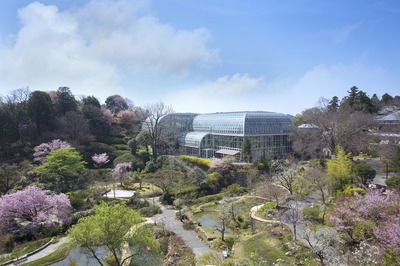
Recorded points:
(82, 258)
(211, 220)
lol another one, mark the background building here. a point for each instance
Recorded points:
(220, 134)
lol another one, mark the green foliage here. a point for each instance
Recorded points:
(150, 211)
(364, 230)
(78, 199)
(339, 170)
(235, 189)
(188, 225)
(261, 251)
(109, 227)
(136, 161)
(62, 169)
(246, 150)
(10, 176)
(150, 167)
(241, 221)
(217, 181)
(312, 212)
(209, 198)
(364, 171)
(261, 165)
(350, 190)
(393, 182)
(40, 110)
(201, 162)
(267, 206)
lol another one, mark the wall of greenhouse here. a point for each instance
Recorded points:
(219, 134)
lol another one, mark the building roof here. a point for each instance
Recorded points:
(390, 117)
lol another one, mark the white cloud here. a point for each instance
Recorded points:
(227, 93)
(288, 94)
(89, 48)
(325, 81)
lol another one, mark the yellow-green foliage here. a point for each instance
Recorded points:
(196, 160)
(340, 165)
(339, 169)
(350, 190)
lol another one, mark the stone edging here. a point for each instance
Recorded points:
(24, 257)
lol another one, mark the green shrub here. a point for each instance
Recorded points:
(123, 147)
(313, 212)
(242, 221)
(137, 203)
(112, 140)
(235, 189)
(364, 171)
(150, 211)
(201, 162)
(118, 153)
(150, 167)
(267, 206)
(187, 190)
(7, 243)
(208, 198)
(229, 242)
(350, 190)
(78, 199)
(188, 225)
(127, 157)
(393, 182)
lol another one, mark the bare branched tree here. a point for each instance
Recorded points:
(327, 129)
(155, 113)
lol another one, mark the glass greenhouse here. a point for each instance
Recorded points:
(220, 134)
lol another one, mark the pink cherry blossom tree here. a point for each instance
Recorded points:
(100, 159)
(221, 166)
(33, 207)
(42, 150)
(382, 210)
(121, 171)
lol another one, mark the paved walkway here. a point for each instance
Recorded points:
(47, 251)
(168, 217)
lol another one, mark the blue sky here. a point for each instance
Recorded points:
(203, 56)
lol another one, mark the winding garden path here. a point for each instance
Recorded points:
(168, 217)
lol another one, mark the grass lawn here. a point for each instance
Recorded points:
(25, 248)
(58, 255)
(266, 247)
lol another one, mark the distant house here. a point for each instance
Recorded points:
(389, 119)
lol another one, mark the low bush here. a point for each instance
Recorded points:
(201, 162)
(208, 198)
(150, 211)
(267, 206)
(188, 225)
(137, 203)
(313, 212)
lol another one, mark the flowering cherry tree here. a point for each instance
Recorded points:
(42, 150)
(100, 159)
(121, 171)
(381, 210)
(221, 165)
(33, 207)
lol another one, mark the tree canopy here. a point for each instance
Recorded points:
(33, 207)
(62, 169)
(111, 227)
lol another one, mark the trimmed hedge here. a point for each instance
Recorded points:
(201, 162)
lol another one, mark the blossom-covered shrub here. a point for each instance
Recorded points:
(33, 207)
(42, 150)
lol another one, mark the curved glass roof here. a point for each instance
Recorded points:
(193, 139)
(243, 123)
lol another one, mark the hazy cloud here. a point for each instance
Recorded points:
(222, 94)
(89, 47)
